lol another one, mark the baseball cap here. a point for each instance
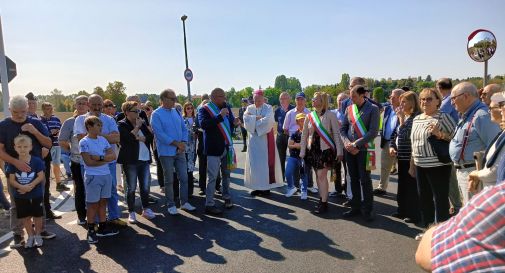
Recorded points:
(300, 95)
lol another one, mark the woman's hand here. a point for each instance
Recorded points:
(392, 152)
(433, 129)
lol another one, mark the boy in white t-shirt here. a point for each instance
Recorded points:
(96, 153)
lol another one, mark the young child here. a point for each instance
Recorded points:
(96, 153)
(294, 162)
(29, 192)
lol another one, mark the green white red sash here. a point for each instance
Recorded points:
(321, 131)
(360, 129)
(224, 128)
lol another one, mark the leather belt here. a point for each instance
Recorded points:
(464, 166)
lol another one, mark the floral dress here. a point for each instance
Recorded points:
(191, 146)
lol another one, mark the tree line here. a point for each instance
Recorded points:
(116, 91)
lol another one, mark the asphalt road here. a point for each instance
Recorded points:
(273, 234)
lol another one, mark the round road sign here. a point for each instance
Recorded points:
(188, 74)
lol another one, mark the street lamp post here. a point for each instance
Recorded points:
(183, 18)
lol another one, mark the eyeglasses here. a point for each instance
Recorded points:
(135, 111)
(494, 108)
(453, 98)
(428, 99)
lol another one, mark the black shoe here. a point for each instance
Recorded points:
(106, 231)
(321, 208)
(368, 216)
(265, 193)
(351, 213)
(219, 191)
(46, 235)
(62, 187)
(213, 210)
(397, 215)
(255, 193)
(379, 192)
(201, 192)
(228, 204)
(92, 237)
(244, 149)
(51, 216)
(18, 242)
(152, 201)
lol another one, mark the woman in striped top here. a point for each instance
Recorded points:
(432, 175)
(401, 147)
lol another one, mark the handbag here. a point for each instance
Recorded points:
(441, 149)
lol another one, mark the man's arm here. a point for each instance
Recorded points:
(20, 165)
(159, 133)
(112, 137)
(344, 129)
(423, 253)
(43, 139)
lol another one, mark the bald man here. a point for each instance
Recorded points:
(488, 91)
(475, 131)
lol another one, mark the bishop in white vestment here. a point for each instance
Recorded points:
(262, 167)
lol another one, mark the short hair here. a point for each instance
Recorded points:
(164, 94)
(444, 84)
(81, 97)
(30, 96)
(18, 102)
(22, 138)
(360, 89)
(91, 121)
(216, 90)
(45, 104)
(128, 105)
(405, 88)
(325, 99)
(184, 109)
(107, 101)
(413, 98)
(433, 91)
(205, 96)
(132, 98)
(468, 88)
(95, 96)
(358, 81)
(284, 94)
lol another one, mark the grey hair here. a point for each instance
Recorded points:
(284, 94)
(81, 97)
(469, 88)
(399, 91)
(18, 102)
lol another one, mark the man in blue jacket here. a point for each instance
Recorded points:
(218, 122)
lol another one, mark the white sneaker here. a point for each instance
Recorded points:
(187, 206)
(313, 190)
(291, 192)
(38, 241)
(173, 210)
(132, 218)
(148, 214)
(304, 195)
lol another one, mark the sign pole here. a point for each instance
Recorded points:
(3, 74)
(484, 80)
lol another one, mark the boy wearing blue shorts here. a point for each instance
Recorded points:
(96, 153)
(29, 192)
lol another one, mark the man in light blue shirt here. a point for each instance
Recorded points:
(171, 137)
(475, 131)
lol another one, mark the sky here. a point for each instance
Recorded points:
(78, 45)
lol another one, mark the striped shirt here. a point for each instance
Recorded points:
(474, 239)
(400, 139)
(423, 154)
(51, 123)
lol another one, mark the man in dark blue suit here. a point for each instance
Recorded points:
(218, 122)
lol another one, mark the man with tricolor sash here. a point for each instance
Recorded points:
(358, 131)
(218, 123)
(262, 156)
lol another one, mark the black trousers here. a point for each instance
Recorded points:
(159, 169)
(407, 198)
(282, 146)
(202, 173)
(360, 181)
(433, 184)
(339, 187)
(79, 191)
(244, 136)
(47, 193)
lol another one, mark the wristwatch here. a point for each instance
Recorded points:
(101, 158)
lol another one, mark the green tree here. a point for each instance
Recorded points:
(345, 80)
(272, 94)
(293, 86)
(83, 92)
(378, 94)
(99, 91)
(115, 91)
(281, 82)
(57, 98)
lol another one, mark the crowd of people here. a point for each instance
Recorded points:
(446, 144)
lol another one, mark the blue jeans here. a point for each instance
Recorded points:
(214, 164)
(293, 167)
(112, 203)
(140, 171)
(3, 199)
(177, 163)
(65, 158)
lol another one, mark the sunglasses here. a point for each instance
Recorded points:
(428, 99)
(134, 111)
